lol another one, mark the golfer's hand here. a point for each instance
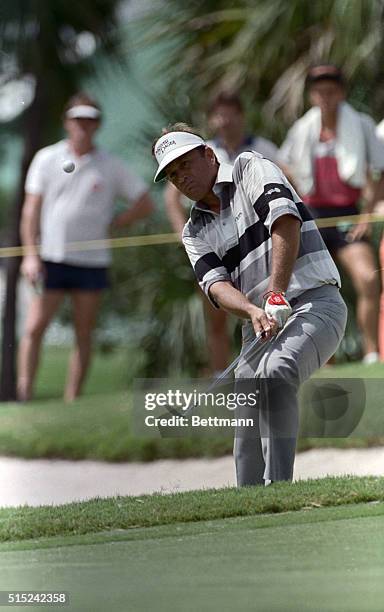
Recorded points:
(32, 269)
(263, 324)
(278, 308)
(359, 231)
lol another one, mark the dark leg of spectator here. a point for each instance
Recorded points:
(359, 262)
(40, 313)
(85, 307)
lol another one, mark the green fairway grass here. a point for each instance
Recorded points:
(98, 515)
(98, 425)
(323, 559)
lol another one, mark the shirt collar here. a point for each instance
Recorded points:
(224, 175)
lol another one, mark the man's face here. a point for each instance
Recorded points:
(227, 121)
(81, 131)
(194, 173)
(327, 95)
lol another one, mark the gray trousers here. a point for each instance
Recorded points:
(312, 334)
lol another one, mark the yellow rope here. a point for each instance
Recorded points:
(153, 239)
(350, 219)
(89, 245)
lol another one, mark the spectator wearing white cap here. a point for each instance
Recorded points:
(70, 191)
(227, 123)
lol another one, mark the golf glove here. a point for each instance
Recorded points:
(277, 306)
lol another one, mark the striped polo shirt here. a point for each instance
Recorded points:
(236, 245)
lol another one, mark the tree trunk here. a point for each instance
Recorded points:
(34, 118)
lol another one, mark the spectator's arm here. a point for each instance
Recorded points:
(30, 222)
(31, 266)
(373, 200)
(174, 208)
(286, 158)
(141, 208)
(373, 193)
(379, 200)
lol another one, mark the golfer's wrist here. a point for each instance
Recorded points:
(253, 311)
(271, 291)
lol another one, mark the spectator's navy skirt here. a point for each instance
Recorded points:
(66, 276)
(336, 237)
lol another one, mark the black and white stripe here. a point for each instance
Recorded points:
(236, 245)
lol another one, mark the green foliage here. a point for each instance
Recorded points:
(155, 289)
(44, 40)
(4, 209)
(264, 49)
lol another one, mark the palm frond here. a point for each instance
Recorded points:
(264, 48)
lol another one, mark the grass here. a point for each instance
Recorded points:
(110, 372)
(308, 546)
(352, 370)
(100, 515)
(98, 425)
(326, 559)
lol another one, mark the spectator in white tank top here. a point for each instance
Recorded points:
(332, 155)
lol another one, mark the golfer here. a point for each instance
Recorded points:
(70, 191)
(257, 253)
(227, 122)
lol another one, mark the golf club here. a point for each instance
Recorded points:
(216, 382)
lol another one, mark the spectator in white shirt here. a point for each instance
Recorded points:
(63, 207)
(332, 155)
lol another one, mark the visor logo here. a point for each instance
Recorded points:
(164, 146)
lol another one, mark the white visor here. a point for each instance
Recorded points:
(83, 111)
(171, 146)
